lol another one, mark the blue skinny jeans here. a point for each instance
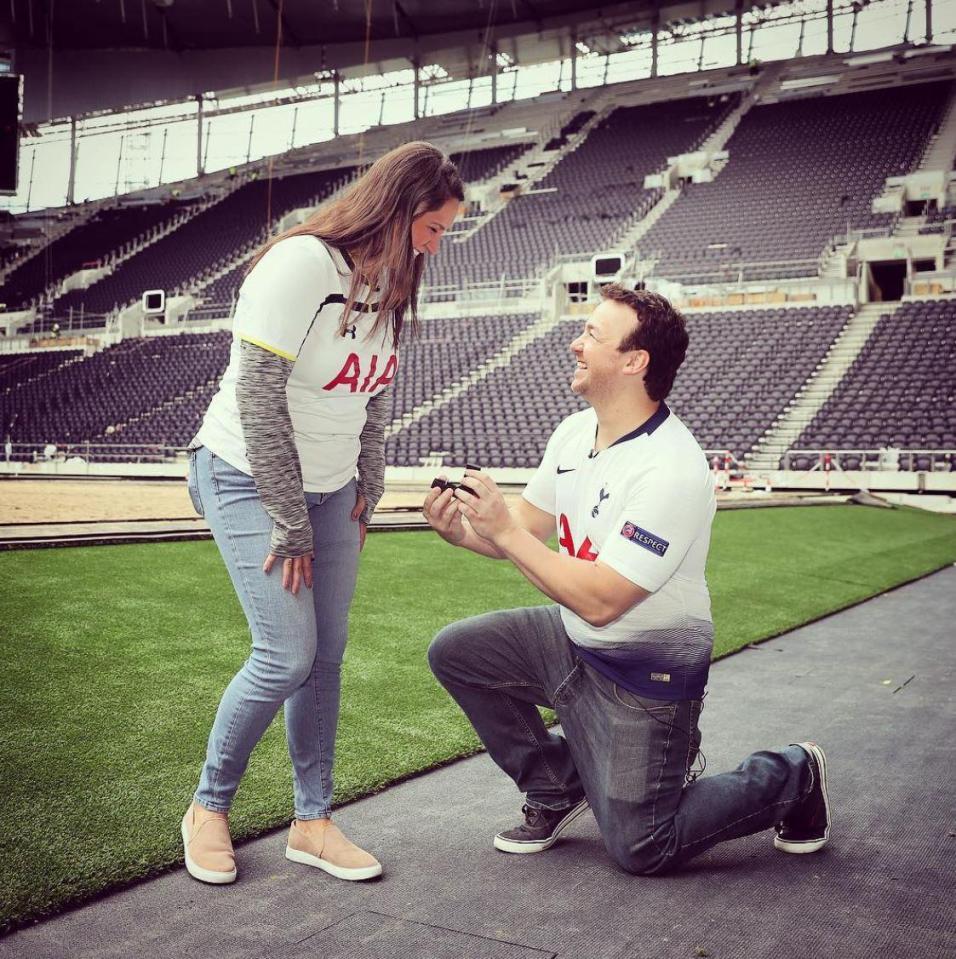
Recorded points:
(297, 641)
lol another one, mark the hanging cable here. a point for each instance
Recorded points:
(275, 83)
(365, 62)
(483, 54)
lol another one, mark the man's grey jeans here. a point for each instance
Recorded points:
(631, 757)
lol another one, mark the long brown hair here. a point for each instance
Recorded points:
(372, 222)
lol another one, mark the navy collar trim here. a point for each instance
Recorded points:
(647, 427)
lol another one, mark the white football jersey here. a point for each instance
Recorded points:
(291, 304)
(644, 506)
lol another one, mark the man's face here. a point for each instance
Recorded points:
(600, 364)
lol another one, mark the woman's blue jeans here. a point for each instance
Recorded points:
(297, 641)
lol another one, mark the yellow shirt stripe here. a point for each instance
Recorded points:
(266, 346)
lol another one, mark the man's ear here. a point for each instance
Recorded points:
(637, 363)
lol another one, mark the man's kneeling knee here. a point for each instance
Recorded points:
(641, 858)
(443, 653)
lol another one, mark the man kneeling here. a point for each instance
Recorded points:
(623, 656)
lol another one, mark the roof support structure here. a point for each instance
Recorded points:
(494, 71)
(655, 29)
(199, 164)
(336, 102)
(574, 58)
(739, 29)
(71, 183)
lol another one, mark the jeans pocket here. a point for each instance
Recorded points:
(192, 484)
(569, 687)
(629, 700)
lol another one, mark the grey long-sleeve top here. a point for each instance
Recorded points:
(271, 451)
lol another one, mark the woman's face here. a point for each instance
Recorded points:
(428, 229)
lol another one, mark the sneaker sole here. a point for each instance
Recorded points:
(811, 845)
(511, 845)
(340, 872)
(197, 872)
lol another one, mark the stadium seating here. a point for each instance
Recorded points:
(899, 392)
(87, 244)
(219, 234)
(222, 291)
(569, 129)
(446, 350)
(800, 172)
(478, 165)
(87, 401)
(595, 194)
(937, 219)
(204, 242)
(18, 369)
(742, 369)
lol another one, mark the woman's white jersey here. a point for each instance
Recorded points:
(291, 304)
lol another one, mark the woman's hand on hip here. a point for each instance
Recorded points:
(357, 511)
(296, 570)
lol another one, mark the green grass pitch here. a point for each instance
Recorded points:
(114, 659)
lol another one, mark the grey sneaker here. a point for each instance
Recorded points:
(807, 828)
(540, 830)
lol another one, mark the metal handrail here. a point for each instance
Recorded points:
(739, 269)
(837, 454)
(480, 292)
(90, 451)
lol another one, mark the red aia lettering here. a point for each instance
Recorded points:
(348, 375)
(352, 370)
(585, 552)
(567, 541)
(388, 373)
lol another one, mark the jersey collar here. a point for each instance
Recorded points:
(646, 428)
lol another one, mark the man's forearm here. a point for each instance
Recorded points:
(567, 580)
(480, 545)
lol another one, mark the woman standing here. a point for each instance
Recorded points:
(300, 411)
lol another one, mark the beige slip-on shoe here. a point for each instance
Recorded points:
(208, 846)
(332, 852)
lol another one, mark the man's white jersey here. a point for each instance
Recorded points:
(291, 304)
(644, 506)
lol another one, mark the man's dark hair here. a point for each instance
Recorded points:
(660, 330)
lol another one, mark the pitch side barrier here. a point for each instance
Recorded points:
(915, 470)
(893, 460)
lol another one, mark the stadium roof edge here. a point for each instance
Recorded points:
(96, 56)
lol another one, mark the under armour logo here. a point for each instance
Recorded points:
(350, 331)
(602, 496)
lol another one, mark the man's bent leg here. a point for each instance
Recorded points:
(637, 757)
(498, 667)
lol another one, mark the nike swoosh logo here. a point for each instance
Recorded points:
(560, 471)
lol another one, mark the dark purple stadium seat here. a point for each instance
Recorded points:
(901, 389)
(86, 245)
(203, 243)
(799, 173)
(102, 398)
(741, 371)
(599, 194)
